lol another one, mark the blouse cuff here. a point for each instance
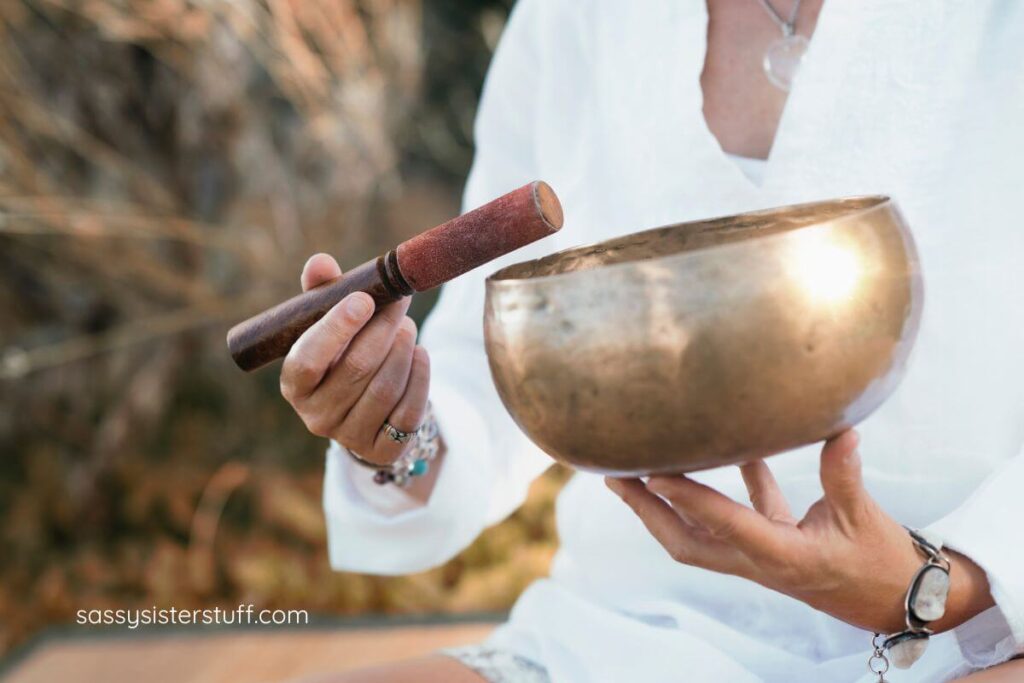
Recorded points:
(986, 640)
(983, 529)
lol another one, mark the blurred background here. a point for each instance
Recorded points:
(166, 167)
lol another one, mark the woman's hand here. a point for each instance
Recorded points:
(846, 557)
(349, 373)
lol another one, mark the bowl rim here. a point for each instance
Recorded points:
(869, 203)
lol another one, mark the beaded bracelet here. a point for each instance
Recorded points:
(414, 462)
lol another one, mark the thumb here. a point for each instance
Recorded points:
(319, 269)
(841, 472)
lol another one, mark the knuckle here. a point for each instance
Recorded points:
(405, 339)
(343, 436)
(351, 318)
(305, 371)
(298, 371)
(421, 366)
(411, 416)
(630, 499)
(384, 390)
(287, 388)
(393, 314)
(790, 572)
(680, 553)
(723, 529)
(318, 425)
(358, 366)
(342, 327)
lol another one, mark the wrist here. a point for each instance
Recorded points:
(946, 591)
(969, 593)
(392, 500)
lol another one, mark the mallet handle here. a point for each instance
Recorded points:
(418, 264)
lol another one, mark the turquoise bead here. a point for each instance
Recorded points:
(419, 468)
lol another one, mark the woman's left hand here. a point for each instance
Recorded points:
(846, 557)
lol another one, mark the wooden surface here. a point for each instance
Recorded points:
(251, 656)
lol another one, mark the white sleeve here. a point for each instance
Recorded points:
(987, 529)
(489, 463)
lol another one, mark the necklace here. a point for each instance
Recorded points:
(782, 58)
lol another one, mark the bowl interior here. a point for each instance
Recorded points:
(683, 237)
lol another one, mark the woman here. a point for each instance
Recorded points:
(642, 114)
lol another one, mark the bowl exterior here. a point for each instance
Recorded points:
(709, 357)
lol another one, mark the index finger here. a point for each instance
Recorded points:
(723, 517)
(312, 355)
(684, 543)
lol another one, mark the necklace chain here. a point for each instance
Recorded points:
(787, 27)
(782, 57)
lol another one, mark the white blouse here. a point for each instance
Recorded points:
(752, 167)
(923, 100)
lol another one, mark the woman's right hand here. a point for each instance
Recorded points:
(352, 371)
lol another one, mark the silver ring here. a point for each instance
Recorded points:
(396, 434)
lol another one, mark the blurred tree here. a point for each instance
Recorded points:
(165, 167)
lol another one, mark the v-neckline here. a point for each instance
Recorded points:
(787, 111)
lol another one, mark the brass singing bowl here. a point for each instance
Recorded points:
(707, 343)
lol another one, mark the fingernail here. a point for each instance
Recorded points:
(357, 305)
(614, 484)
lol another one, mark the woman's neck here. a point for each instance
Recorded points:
(741, 107)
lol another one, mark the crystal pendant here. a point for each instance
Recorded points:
(782, 60)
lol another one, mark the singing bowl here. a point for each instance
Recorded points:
(707, 343)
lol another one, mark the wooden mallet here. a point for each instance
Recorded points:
(423, 262)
